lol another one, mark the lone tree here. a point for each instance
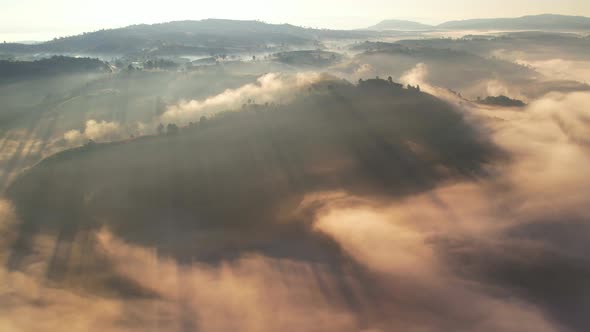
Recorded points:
(172, 129)
(160, 129)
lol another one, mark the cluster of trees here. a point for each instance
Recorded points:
(251, 104)
(378, 82)
(307, 57)
(173, 129)
(149, 64)
(501, 101)
(160, 64)
(170, 129)
(50, 66)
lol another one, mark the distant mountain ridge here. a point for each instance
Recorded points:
(530, 22)
(209, 36)
(221, 36)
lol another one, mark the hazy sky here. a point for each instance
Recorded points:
(43, 19)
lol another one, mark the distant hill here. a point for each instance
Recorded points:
(534, 22)
(400, 25)
(210, 36)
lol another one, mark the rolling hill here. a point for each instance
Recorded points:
(368, 139)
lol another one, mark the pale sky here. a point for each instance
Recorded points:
(45, 19)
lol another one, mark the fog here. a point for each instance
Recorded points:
(363, 185)
(269, 88)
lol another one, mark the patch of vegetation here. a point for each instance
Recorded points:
(315, 58)
(56, 65)
(501, 101)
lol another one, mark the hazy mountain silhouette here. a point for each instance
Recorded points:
(400, 25)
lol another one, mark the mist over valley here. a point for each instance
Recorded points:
(237, 175)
